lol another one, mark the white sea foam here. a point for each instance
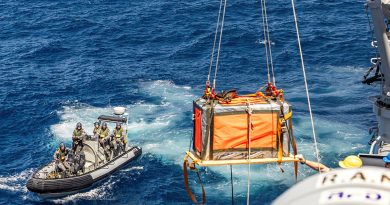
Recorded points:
(16, 182)
(154, 127)
(152, 123)
(133, 168)
(100, 192)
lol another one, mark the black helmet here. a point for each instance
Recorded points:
(118, 124)
(96, 123)
(104, 125)
(78, 125)
(62, 146)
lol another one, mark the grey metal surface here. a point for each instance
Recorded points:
(378, 17)
(380, 14)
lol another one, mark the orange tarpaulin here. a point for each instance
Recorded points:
(198, 129)
(231, 131)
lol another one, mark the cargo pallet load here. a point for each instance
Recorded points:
(248, 129)
(232, 129)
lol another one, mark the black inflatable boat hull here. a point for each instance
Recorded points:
(71, 184)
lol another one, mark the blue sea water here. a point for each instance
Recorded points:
(62, 62)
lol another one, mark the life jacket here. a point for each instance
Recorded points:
(77, 132)
(96, 130)
(104, 133)
(61, 155)
(118, 133)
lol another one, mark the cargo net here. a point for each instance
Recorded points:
(228, 126)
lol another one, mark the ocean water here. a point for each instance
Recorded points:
(63, 62)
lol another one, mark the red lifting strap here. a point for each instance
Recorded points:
(190, 194)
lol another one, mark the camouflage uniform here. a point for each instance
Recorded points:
(59, 156)
(78, 136)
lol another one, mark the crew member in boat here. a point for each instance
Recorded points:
(78, 136)
(349, 162)
(118, 142)
(60, 158)
(103, 138)
(96, 129)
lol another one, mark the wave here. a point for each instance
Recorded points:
(16, 182)
(162, 127)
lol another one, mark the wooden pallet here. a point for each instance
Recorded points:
(200, 162)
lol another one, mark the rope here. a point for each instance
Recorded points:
(219, 45)
(269, 43)
(306, 86)
(215, 40)
(294, 146)
(231, 183)
(265, 40)
(249, 179)
(249, 110)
